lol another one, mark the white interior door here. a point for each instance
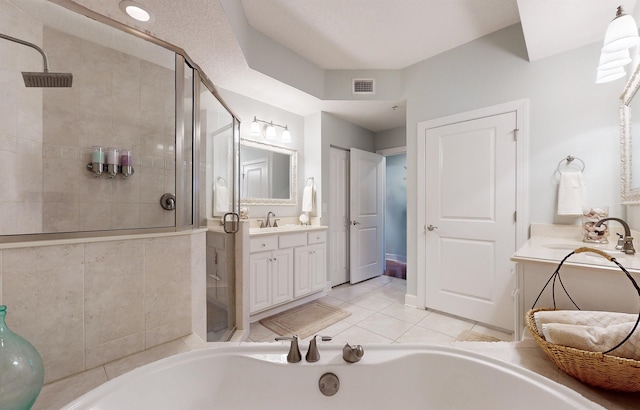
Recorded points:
(339, 216)
(367, 215)
(255, 178)
(470, 183)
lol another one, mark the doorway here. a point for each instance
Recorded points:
(395, 221)
(473, 164)
(357, 207)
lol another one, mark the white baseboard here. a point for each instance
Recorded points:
(411, 300)
(395, 257)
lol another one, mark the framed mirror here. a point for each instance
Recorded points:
(629, 121)
(268, 174)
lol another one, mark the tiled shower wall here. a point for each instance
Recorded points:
(20, 126)
(85, 303)
(117, 100)
(46, 135)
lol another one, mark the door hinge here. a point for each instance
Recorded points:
(515, 134)
(515, 216)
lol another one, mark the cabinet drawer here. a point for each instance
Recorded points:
(317, 237)
(263, 243)
(295, 239)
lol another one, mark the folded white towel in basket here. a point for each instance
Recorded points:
(595, 338)
(581, 317)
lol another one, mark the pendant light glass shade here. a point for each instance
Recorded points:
(605, 76)
(621, 33)
(255, 127)
(270, 132)
(614, 60)
(286, 135)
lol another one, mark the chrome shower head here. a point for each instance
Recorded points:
(44, 78)
(47, 79)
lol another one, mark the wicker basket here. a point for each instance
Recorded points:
(593, 368)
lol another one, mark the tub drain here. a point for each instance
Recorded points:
(329, 384)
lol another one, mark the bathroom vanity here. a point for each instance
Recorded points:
(593, 282)
(287, 267)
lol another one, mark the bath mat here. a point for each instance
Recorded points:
(305, 320)
(469, 336)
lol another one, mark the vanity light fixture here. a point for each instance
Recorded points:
(136, 11)
(621, 35)
(605, 76)
(269, 130)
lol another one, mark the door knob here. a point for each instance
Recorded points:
(431, 228)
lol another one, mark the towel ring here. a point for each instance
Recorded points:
(569, 159)
(307, 181)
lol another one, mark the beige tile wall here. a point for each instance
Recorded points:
(20, 125)
(46, 135)
(87, 303)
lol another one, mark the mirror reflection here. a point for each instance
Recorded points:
(630, 121)
(267, 174)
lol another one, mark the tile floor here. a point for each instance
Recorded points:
(378, 315)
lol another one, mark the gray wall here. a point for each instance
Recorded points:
(569, 115)
(395, 137)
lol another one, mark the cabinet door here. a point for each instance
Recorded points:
(259, 281)
(282, 276)
(317, 270)
(301, 278)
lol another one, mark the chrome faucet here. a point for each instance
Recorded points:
(269, 215)
(294, 355)
(352, 354)
(313, 355)
(627, 245)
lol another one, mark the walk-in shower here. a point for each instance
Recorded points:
(44, 78)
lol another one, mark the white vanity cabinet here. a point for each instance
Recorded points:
(310, 262)
(285, 267)
(270, 273)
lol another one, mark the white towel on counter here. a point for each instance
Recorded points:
(307, 199)
(221, 203)
(571, 193)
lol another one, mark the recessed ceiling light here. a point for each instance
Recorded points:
(136, 11)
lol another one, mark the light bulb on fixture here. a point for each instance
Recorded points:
(255, 127)
(621, 33)
(286, 135)
(270, 132)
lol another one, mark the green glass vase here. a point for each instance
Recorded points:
(21, 369)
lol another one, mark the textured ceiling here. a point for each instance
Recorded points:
(376, 34)
(356, 34)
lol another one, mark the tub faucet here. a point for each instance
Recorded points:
(294, 355)
(352, 354)
(627, 241)
(313, 355)
(269, 215)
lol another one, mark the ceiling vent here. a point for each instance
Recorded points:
(364, 86)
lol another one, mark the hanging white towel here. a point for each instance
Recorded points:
(571, 193)
(307, 199)
(221, 203)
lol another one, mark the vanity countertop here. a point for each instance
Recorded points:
(551, 243)
(286, 229)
